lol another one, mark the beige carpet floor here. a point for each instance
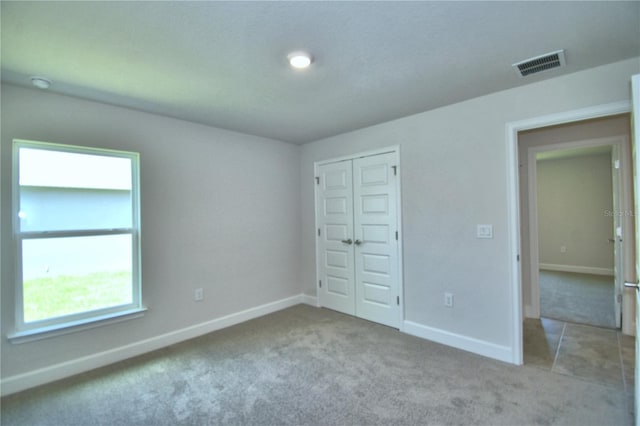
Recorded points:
(310, 366)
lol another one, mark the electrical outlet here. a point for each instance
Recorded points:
(484, 231)
(448, 300)
(198, 294)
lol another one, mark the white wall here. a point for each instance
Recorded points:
(574, 196)
(220, 210)
(454, 176)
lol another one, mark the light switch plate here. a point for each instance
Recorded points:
(485, 231)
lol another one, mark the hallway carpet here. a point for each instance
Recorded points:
(578, 298)
(311, 366)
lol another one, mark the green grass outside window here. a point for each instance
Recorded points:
(51, 297)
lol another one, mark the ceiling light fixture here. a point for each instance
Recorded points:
(300, 60)
(41, 82)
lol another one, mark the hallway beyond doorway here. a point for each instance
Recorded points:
(578, 298)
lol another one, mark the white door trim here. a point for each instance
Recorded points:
(391, 149)
(387, 150)
(635, 136)
(513, 200)
(621, 141)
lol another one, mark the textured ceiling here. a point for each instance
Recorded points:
(224, 63)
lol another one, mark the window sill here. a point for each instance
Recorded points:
(74, 326)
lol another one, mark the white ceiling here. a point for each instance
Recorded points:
(224, 63)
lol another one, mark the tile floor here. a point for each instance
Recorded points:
(596, 354)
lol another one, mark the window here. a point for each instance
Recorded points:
(76, 222)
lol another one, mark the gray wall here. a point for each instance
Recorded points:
(574, 195)
(220, 210)
(454, 176)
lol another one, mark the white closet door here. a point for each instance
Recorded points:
(334, 205)
(375, 239)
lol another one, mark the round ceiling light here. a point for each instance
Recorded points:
(41, 82)
(300, 60)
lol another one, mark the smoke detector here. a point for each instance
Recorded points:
(540, 63)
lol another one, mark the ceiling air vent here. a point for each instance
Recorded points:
(540, 63)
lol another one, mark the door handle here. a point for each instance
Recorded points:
(632, 285)
(611, 240)
(349, 241)
(357, 242)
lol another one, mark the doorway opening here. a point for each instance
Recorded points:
(578, 245)
(519, 270)
(575, 188)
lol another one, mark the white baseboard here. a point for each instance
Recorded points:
(480, 347)
(310, 300)
(55, 372)
(577, 269)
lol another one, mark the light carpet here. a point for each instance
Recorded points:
(578, 298)
(310, 366)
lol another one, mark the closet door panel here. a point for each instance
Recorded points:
(376, 246)
(334, 211)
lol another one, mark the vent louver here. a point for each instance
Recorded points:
(540, 63)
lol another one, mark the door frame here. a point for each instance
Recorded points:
(395, 149)
(622, 188)
(635, 154)
(513, 201)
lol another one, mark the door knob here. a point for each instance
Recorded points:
(632, 285)
(357, 242)
(349, 241)
(611, 240)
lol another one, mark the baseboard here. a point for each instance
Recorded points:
(469, 344)
(55, 372)
(578, 269)
(310, 300)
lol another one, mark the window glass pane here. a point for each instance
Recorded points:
(63, 276)
(42, 167)
(62, 209)
(69, 191)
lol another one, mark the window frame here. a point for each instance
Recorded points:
(25, 331)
